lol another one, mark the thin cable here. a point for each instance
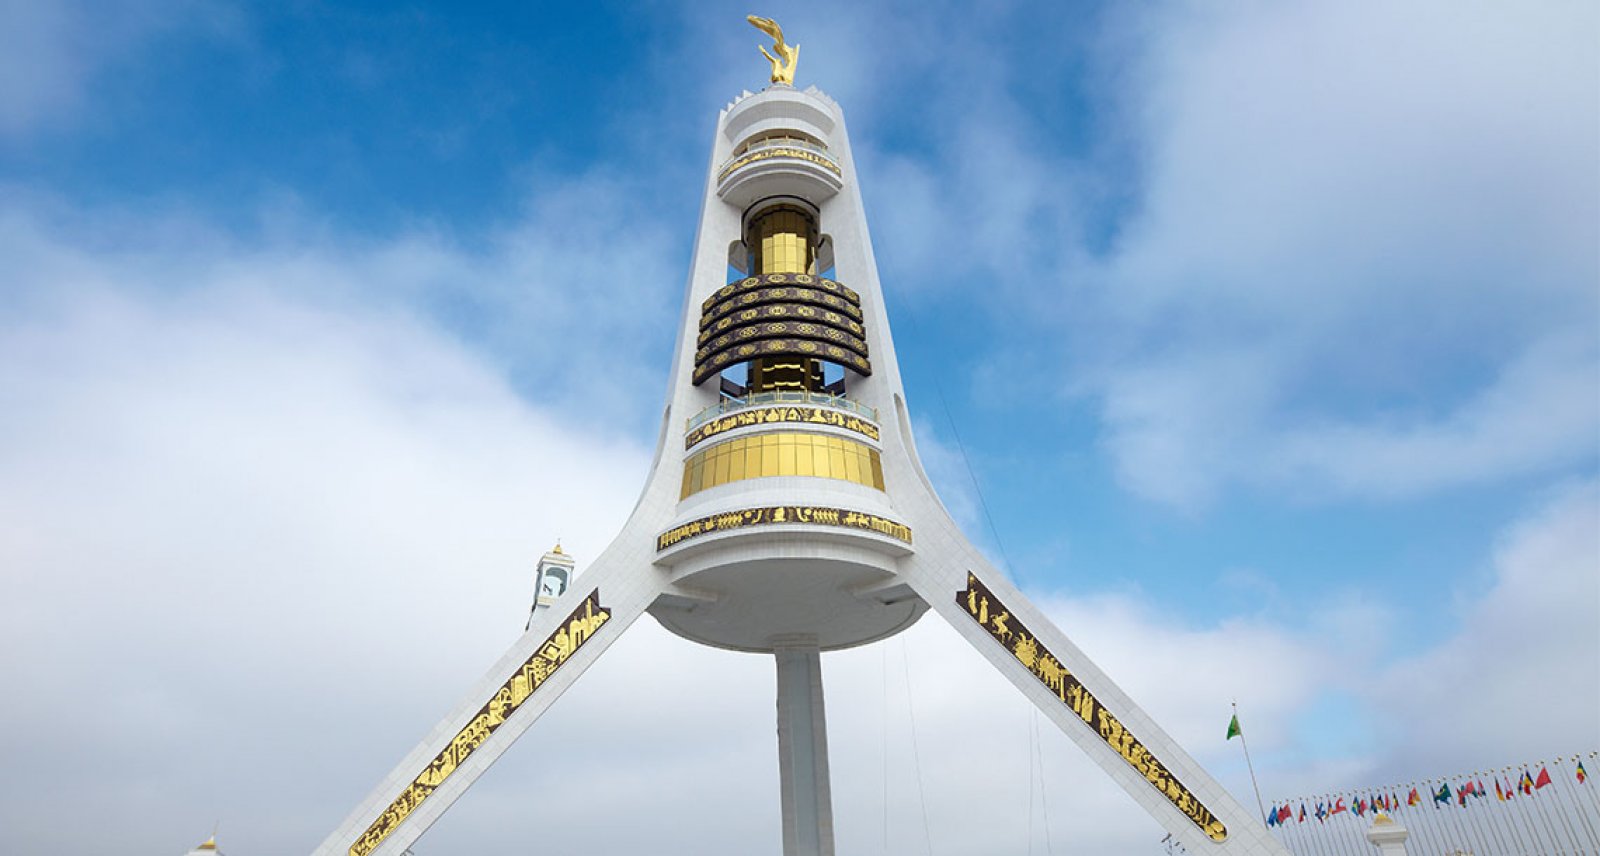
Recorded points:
(1033, 738)
(916, 750)
(944, 403)
(1044, 796)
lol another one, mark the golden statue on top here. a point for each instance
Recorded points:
(782, 70)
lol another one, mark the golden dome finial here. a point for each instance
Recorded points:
(209, 843)
(782, 69)
(557, 549)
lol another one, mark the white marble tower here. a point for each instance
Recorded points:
(787, 513)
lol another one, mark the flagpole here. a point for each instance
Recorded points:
(1560, 785)
(1261, 807)
(1578, 805)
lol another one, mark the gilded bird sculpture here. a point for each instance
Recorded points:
(788, 55)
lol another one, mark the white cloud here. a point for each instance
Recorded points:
(1517, 681)
(51, 53)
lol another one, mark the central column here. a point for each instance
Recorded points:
(803, 750)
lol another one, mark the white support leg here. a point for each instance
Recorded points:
(1095, 713)
(803, 751)
(559, 645)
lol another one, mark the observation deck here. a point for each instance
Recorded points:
(779, 166)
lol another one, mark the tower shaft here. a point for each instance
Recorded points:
(803, 752)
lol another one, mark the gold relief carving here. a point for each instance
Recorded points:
(782, 311)
(784, 514)
(770, 279)
(817, 158)
(747, 300)
(777, 347)
(579, 627)
(767, 416)
(772, 329)
(992, 616)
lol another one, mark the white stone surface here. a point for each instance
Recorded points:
(803, 750)
(1389, 837)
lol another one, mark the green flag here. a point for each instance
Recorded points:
(1233, 727)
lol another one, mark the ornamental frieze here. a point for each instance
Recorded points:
(579, 627)
(747, 517)
(774, 415)
(1006, 629)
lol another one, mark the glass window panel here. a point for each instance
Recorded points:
(769, 459)
(786, 464)
(723, 464)
(752, 461)
(804, 461)
(852, 466)
(836, 462)
(819, 460)
(877, 470)
(736, 465)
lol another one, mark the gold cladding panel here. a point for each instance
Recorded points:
(782, 454)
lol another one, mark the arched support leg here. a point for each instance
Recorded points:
(1098, 716)
(559, 645)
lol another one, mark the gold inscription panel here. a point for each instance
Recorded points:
(783, 514)
(771, 415)
(781, 152)
(992, 615)
(579, 627)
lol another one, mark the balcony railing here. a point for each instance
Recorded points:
(805, 149)
(763, 399)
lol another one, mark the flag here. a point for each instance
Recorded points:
(1443, 796)
(1361, 807)
(1582, 776)
(1479, 792)
(1302, 814)
(1337, 807)
(1272, 818)
(1233, 728)
(1285, 813)
(1321, 812)
(1525, 784)
(1499, 794)
(1544, 778)
(1413, 798)
(1394, 800)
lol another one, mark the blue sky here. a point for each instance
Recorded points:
(1268, 330)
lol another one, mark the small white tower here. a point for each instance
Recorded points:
(206, 848)
(551, 580)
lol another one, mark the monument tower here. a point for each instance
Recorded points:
(786, 512)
